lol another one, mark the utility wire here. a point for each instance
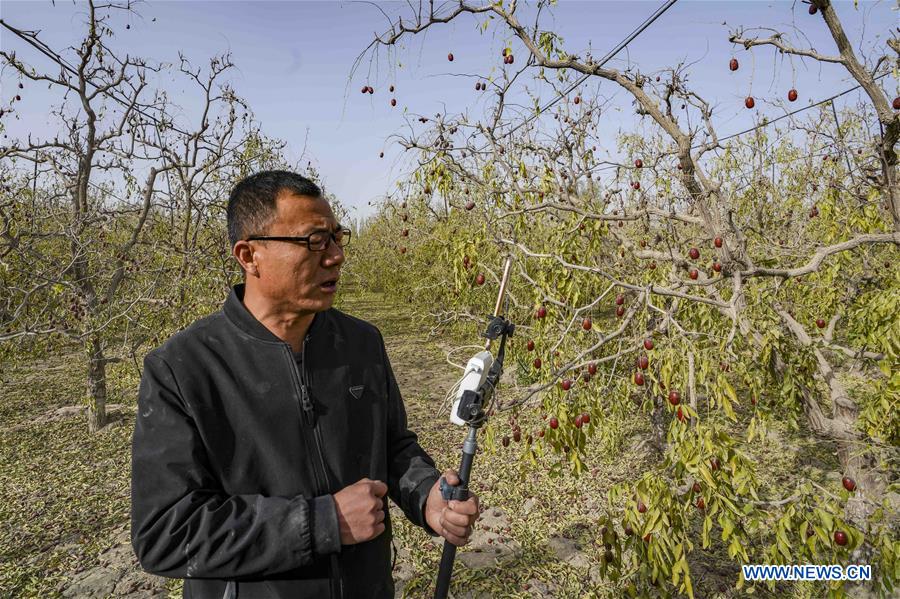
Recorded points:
(609, 56)
(624, 43)
(44, 49)
(792, 113)
(58, 59)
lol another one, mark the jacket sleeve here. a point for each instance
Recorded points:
(184, 526)
(411, 471)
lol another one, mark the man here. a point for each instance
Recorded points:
(269, 433)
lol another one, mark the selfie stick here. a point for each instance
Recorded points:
(481, 377)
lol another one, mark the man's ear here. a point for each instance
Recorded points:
(246, 257)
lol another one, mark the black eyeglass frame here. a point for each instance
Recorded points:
(345, 233)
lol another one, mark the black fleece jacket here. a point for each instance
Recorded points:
(238, 449)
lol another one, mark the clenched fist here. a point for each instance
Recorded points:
(453, 520)
(360, 511)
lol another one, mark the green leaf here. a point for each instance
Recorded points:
(729, 398)
(825, 518)
(727, 528)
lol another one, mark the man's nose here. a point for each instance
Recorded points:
(334, 254)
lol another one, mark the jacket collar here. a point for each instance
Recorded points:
(238, 314)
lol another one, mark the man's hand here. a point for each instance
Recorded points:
(452, 520)
(360, 511)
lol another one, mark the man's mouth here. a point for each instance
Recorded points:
(330, 284)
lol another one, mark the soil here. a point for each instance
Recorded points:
(534, 539)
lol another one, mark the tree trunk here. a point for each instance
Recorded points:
(96, 413)
(856, 462)
(853, 452)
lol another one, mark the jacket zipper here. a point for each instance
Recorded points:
(309, 413)
(309, 416)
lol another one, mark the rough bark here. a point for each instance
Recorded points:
(96, 413)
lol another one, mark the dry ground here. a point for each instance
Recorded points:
(64, 494)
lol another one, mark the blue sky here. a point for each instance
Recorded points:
(294, 62)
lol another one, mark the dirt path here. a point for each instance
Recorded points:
(537, 536)
(423, 376)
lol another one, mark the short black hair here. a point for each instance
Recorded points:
(251, 205)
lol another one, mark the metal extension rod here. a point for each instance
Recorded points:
(470, 446)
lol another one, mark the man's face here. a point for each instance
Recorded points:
(291, 276)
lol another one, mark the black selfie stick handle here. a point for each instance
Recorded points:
(497, 327)
(459, 493)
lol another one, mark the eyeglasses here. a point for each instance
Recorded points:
(316, 242)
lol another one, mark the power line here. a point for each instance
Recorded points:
(786, 115)
(609, 56)
(58, 59)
